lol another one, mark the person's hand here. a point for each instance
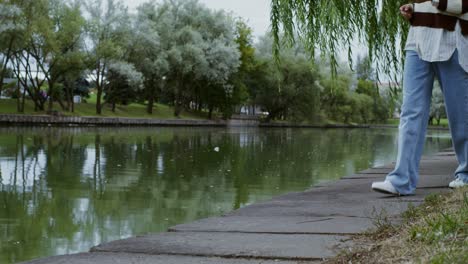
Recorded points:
(407, 11)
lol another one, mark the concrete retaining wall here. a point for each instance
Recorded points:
(102, 121)
(15, 119)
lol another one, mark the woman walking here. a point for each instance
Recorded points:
(437, 47)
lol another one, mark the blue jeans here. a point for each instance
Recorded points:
(417, 91)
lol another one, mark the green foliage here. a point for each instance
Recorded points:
(108, 30)
(192, 49)
(184, 55)
(364, 69)
(379, 108)
(289, 91)
(328, 26)
(124, 83)
(335, 99)
(246, 47)
(437, 111)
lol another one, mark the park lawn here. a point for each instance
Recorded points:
(8, 106)
(396, 122)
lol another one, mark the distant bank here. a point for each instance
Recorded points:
(18, 119)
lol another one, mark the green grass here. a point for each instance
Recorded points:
(396, 122)
(435, 232)
(8, 106)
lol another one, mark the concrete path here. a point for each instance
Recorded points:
(303, 227)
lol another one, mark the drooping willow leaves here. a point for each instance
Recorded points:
(329, 26)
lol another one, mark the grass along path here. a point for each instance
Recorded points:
(8, 106)
(396, 122)
(435, 232)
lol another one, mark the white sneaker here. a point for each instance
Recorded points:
(458, 183)
(384, 187)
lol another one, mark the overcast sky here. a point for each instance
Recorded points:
(255, 12)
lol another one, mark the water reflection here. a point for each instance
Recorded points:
(64, 190)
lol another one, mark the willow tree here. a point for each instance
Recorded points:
(329, 26)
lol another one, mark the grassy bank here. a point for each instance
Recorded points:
(8, 106)
(396, 122)
(435, 232)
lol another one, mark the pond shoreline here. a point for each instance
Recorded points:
(91, 121)
(50, 120)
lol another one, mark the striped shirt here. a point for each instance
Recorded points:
(437, 44)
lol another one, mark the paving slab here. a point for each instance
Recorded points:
(350, 208)
(231, 245)
(423, 171)
(364, 176)
(346, 200)
(429, 160)
(359, 190)
(279, 225)
(445, 153)
(126, 258)
(425, 181)
(376, 171)
(434, 181)
(343, 195)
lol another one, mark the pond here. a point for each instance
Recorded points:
(64, 190)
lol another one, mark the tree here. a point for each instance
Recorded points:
(108, 29)
(288, 90)
(124, 82)
(437, 111)
(149, 49)
(381, 107)
(10, 31)
(364, 69)
(202, 54)
(335, 98)
(56, 47)
(47, 48)
(24, 65)
(327, 26)
(248, 63)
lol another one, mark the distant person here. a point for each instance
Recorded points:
(437, 46)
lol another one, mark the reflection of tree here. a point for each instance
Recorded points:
(43, 213)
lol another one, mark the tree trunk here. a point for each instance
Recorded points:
(18, 99)
(177, 103)
(68, 97)
(59, 100)
(150, 106)
(98, 101)
(4, 66)
(51, 97)
(23, 100)
(210, 112)
(177, 108)
(113, 107)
